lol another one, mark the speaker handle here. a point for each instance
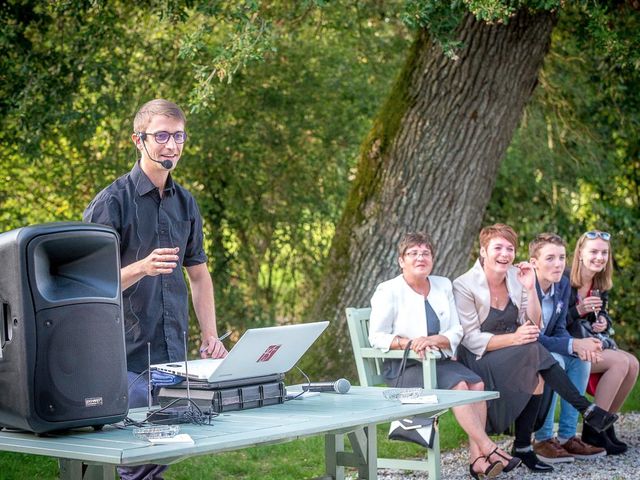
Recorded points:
(5, 327)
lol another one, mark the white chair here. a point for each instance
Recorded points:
(369, 364)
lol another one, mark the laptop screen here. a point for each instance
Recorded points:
(259, 352)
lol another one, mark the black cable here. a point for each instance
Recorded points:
(303, 390)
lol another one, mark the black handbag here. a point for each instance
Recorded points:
(582, 328)
(418, 430)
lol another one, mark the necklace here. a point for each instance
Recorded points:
(498, 296)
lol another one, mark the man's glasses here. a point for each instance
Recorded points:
(593, 235)
(416, 254)
(163, 137)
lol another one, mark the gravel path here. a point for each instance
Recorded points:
(619, 467)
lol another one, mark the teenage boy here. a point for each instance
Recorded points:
(160, 231)
(548, 256)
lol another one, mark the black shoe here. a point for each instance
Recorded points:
(601, 439)
(493, 470)
(532, 462)
(598, 418)
(611, 434)
(590, 436)
(512, 462)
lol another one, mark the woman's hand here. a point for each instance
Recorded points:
(589, 305)
(526, 275)
(600, 325)
(526, 333)
(420, 345)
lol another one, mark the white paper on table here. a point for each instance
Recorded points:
(429, 399)
(180, 438)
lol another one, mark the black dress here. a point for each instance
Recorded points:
(448, 372)
(512, 371)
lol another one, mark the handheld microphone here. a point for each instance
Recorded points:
(341, 385)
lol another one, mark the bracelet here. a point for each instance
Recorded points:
(398, 342)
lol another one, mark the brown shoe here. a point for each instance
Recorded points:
(550, 451)
(581, 450)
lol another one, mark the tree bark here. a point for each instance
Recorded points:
(430, 162)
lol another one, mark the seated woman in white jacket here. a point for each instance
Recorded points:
(416, 310)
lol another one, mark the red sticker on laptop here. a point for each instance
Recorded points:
(268, 353)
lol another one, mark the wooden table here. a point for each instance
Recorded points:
(85, 454)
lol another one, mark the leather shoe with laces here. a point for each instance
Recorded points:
(582, 450)
(550, 451)
(530, 459)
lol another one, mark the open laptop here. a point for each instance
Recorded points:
(260, 353)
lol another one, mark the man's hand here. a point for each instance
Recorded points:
(588, 349)
(161, 261)
(212, 348)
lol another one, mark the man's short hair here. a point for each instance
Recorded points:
(159, 106)
(498, 230)
(411, 239)
(541, 240)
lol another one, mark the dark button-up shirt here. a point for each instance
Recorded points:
(155, 308)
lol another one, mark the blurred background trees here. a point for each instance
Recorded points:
(280, 97)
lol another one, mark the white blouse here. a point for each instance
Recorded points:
(397, 309)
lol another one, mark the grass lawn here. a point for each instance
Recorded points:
(298, 459)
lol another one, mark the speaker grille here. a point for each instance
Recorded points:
(79, 363)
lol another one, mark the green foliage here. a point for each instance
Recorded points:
(269, 154)
(247, 37)
(271, 173)
(440, 18)
(573, 165)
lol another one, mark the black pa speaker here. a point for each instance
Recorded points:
(62, 356)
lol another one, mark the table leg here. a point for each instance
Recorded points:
(333, 443)
(433, 459)
(365, 445)
(364, 454)
(76, 470)
(70, 469)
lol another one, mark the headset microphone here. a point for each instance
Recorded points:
(168, 164)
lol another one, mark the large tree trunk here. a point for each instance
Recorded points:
(430, 162)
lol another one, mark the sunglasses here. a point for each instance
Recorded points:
(593, 235)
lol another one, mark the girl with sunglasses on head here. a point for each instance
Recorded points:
(591, 280)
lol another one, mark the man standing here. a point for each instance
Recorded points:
(160, 231)
(548, 256)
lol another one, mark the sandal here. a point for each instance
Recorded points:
(493, 470)
(512, 462)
